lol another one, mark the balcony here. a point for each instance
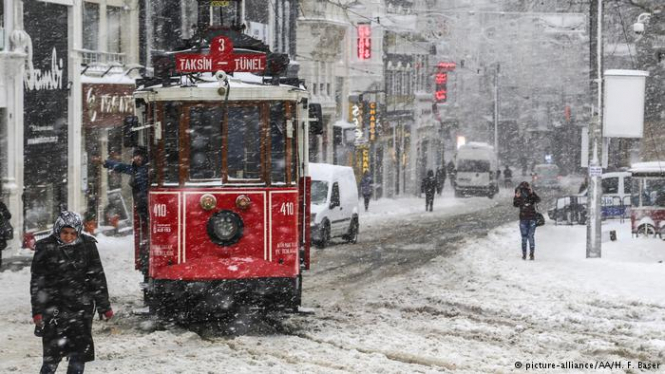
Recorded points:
(97, 58)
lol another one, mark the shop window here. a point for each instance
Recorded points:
(114, 29)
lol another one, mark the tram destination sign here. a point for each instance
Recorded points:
(221, 57)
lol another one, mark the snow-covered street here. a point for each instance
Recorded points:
(476, 306)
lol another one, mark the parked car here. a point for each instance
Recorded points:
(545, 176)
(334, 208)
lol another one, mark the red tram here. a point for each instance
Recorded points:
(229, 196)
(647, 213)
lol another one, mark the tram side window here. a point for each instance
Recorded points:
(635, 195)
(171, 153)
(277, 143)
(654, 193)
(205, 125)
(294, 153)
(244, 143)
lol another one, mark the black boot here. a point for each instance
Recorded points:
(524, 255)
(531, 256)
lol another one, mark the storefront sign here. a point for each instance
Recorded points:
(357, 120)
(106, 105)
(372, 121)
(441, 81)
(45, 117)
(45, 96)
(364, 41)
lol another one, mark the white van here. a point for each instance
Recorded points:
(334, 208)
(475, 170)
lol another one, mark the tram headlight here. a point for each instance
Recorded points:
(225, 227)
(208, 202)
(243, 202)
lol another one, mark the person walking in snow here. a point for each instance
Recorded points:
(440, 179)
(526, 199)
(451, 173)
(507, 177)
(67, 286)
(429, 187)
(366, 188)
(5, 216)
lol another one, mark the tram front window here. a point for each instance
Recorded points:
(205, 125)
(244, 143)
(171, 140)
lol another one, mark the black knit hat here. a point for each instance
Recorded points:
(141, 151)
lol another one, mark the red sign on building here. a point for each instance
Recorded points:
(221, 57)
(441, 81)
(364, 41)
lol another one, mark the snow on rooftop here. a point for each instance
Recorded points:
(648, 167)
(324, 171)
(108, 79)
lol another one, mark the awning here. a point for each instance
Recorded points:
(344, 124)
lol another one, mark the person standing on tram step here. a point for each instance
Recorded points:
(140, 179)
(440, 179)
(526, 199)
(366, 188)
(5, 216)
(429, 187)
(67, 285)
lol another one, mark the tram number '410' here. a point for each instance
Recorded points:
(287, 209)
(159, 210)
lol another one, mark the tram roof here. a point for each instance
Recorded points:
(242, 86)
(651, 167)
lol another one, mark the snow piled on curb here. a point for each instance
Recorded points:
(479, 310)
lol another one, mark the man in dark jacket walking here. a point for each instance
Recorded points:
(507, 177)
(5, 216)
(429, 187)
(440, 179)
(451, 173)
(526, 199)
(67, 285)
(366, 188)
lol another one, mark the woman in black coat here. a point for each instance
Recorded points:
(67, 285)
(526, 199)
